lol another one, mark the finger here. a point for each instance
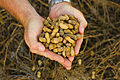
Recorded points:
(33, 43)
(78, 45)
(37, 46)
(53, 56)
(83, 23)
(68, 68)
(66, 63)
(79, 16)
(71, 58)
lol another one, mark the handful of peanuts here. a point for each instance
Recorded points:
(60, 35)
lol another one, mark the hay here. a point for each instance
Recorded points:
(100, 51)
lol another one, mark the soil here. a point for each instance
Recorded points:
(99, 54)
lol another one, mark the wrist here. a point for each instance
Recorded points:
(20, 9)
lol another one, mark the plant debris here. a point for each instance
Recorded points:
(99, 53)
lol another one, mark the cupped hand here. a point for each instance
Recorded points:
(33, 29)
(65, 8)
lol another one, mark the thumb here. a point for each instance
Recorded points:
(31, 40)
(32, 31)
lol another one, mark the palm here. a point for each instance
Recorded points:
(65, 8)
(32, 32)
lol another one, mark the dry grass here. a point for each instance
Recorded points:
(100, 51)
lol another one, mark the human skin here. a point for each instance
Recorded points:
(33, 24)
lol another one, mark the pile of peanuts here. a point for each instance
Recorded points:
(60, 35)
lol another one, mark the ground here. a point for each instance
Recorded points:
(99, 54)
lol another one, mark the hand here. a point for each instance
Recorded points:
(33, 28)
(65, 8)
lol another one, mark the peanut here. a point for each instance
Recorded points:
(68, 31)
(55, 50)
(57, 24)
(60, 34)
(68, 44)
(42, 35)
(38, 74)
(63, 26)
(59, 53)
(54, 20)
(72, 51)
(75, 37)
(64, 41)
(70, 40)
(74, 32)
(67, 49)
(52, 46)
(48, 19)
(72, 17)
(77, 28)
(52, 26)
(70, 26)
(73, 22)
(46, 22)
(46, 45)
(57, 40)
(47, 37)
(60, 49)
(79, 36)
(39, 62)
(67, 54)
(93, 75)
(54, 32)
(65, 17)
(33, 68)
(79, 61)
(45, 29)
(41, 39)
(63, 53)
(59, 44)
(71, 35)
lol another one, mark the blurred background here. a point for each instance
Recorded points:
(99, 57)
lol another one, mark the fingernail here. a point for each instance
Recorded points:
(76, 52)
